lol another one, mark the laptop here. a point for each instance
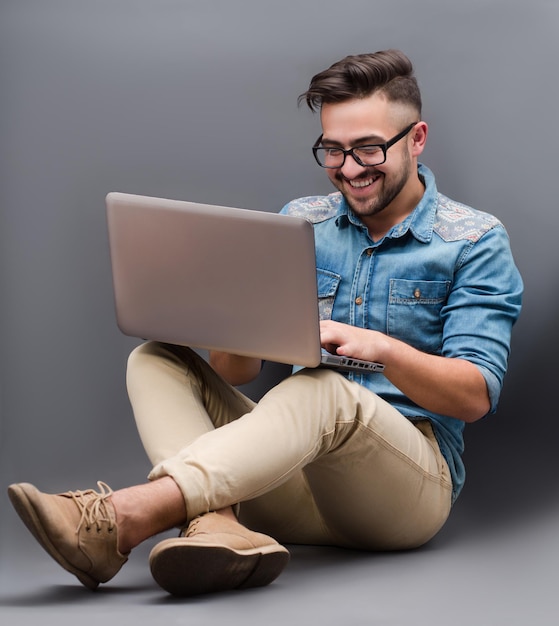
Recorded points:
(218, 278)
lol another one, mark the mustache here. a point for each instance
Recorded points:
(363, 176)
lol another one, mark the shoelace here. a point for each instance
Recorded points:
(191, 528)
(93, 506)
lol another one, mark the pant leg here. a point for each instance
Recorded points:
(366, 476)
(327, 508)
(176, 397)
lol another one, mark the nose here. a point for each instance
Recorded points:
(350, 169)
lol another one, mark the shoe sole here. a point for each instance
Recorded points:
(189, 569)
(21, 497)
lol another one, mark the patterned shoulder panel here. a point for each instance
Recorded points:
(315, 208)
(455, 221)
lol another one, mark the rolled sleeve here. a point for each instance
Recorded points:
(482, 307)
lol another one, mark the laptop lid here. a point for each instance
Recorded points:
(218, 278)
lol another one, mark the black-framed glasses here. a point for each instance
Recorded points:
(368, 155)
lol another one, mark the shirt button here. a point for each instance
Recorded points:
(359, 300)
(369, 251)
(417, 294)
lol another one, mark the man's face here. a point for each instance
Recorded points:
(371, 120)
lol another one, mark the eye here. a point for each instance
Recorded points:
(367, 150)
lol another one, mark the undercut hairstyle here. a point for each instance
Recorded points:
(389, 72)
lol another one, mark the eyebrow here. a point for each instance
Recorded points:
(361, 141)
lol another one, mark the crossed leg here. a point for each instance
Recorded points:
(318, 460)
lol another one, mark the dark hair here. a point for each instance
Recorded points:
(358, 76)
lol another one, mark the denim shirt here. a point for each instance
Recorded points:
(443, 281)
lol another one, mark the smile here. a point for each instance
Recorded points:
(362, 182)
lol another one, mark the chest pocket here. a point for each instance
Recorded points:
(414, 312)
(327, 283)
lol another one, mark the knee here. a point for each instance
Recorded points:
(322, 377)
(158, 349)
(148, 354)
(324, 385)
(142, 352)
(158, 356)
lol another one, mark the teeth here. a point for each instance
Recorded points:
(362, 183)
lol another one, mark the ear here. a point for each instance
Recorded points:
(419, 138)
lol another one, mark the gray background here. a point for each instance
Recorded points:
(145, 97)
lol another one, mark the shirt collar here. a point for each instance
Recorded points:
(419, 222)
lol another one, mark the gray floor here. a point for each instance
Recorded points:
(470, 574)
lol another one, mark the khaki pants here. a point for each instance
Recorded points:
(319, 460)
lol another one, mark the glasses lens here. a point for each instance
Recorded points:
(334, 157)
(329, 157)
(370, 155)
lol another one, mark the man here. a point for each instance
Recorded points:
(406, 277)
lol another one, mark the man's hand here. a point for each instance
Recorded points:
(351, 341)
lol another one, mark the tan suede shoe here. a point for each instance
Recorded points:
(77, 528)
(215, 554)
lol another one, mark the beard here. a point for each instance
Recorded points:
(389, 189)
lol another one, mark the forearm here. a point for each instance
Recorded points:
(449, 386)
(235, 369)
